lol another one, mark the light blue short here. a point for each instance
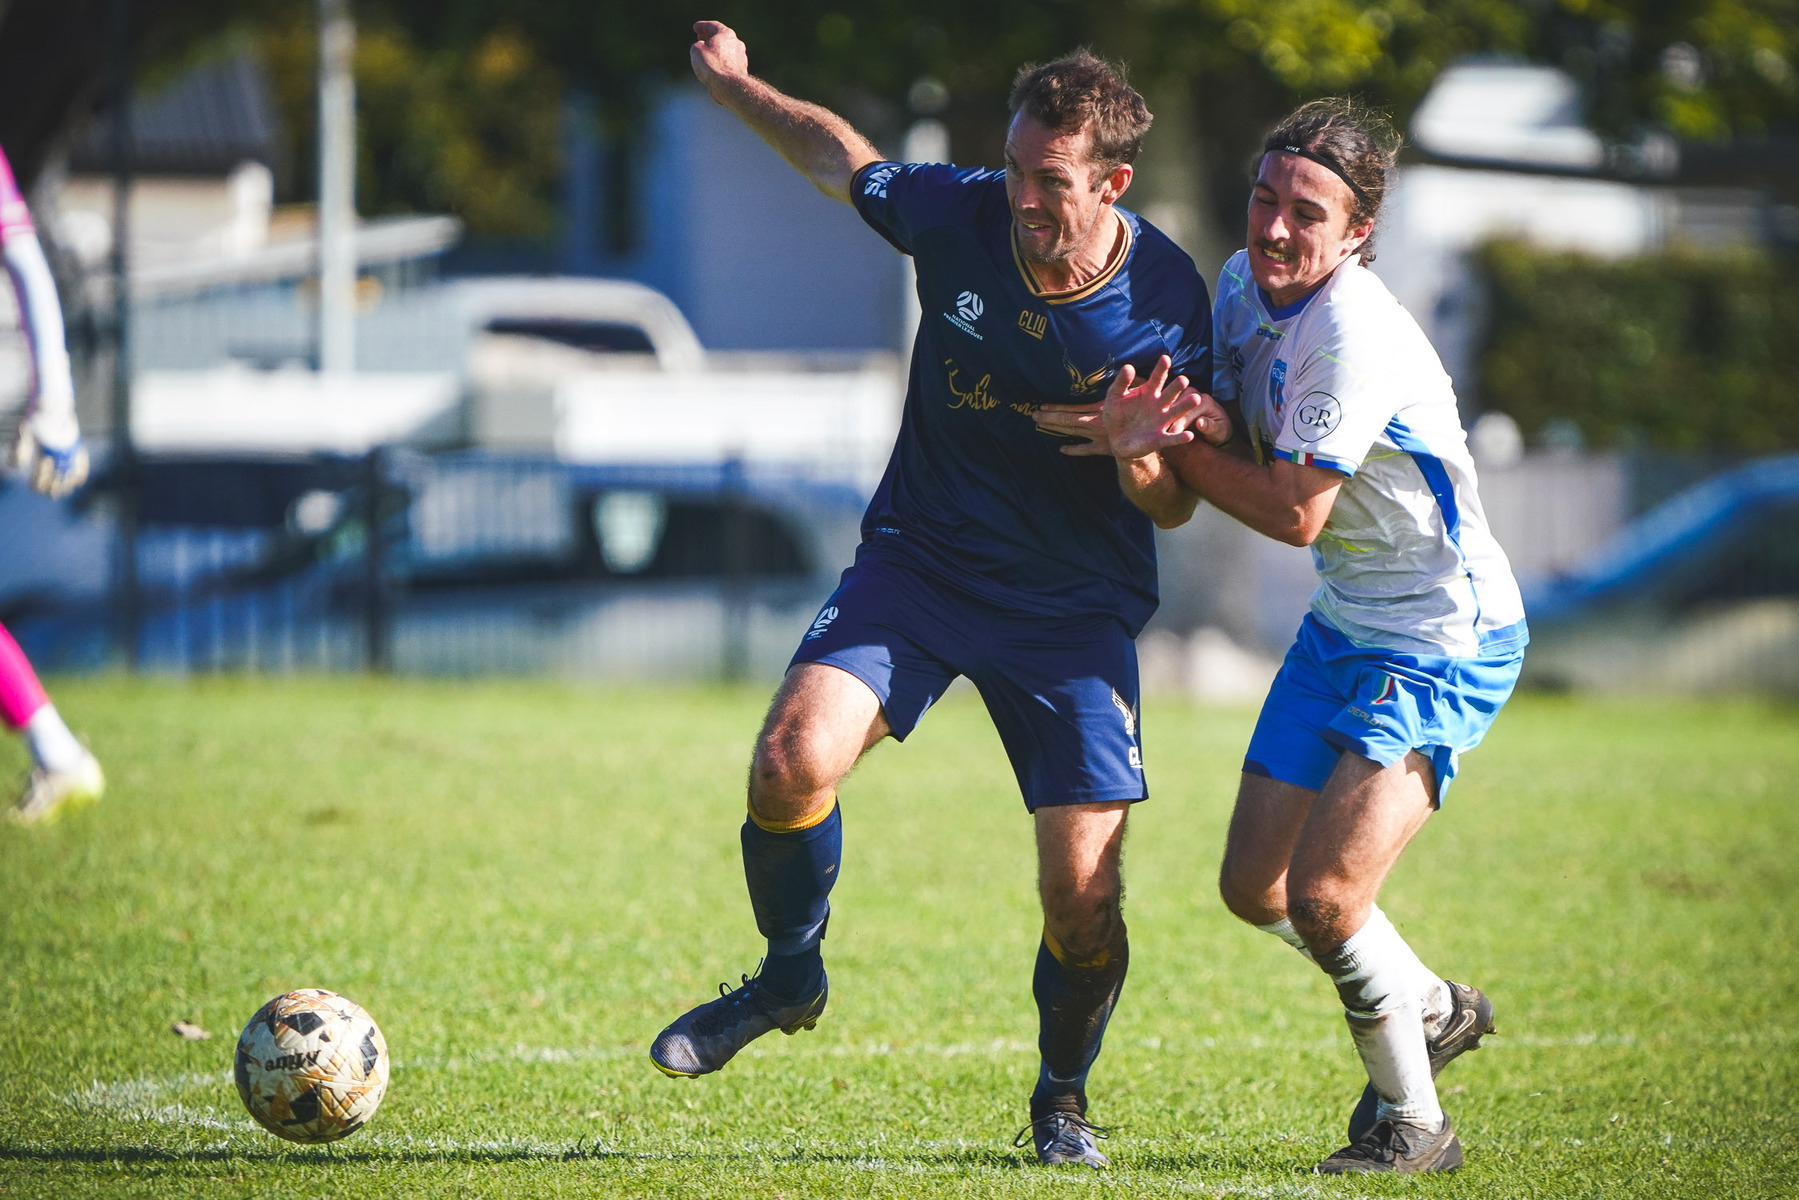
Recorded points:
(1333, 695)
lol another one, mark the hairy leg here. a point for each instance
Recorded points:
(1362, 820)
(821, 722)
(1265, 826)
(1353, 834)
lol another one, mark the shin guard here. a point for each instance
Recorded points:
(790, 873)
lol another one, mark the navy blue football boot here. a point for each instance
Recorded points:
(708, 1037)
(1061, 1135)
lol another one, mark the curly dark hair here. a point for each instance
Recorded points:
(1084, 91)
(1355, 141)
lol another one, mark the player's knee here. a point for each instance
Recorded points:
(1318, 912)
(1243, 901)
(784, 772)
(1249, 895)
(1086, 919)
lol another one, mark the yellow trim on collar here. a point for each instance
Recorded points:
(799, 826)
(1086, 289)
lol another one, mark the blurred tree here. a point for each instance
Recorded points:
(461, 100)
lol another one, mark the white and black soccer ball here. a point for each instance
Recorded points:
(311, 1066)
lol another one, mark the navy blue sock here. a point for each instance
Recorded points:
(1074, 1002)
(790, 873)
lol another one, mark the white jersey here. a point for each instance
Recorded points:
(1345, 379)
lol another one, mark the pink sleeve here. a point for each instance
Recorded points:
(15, 218)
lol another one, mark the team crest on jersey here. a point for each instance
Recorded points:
(1318, 414)
(1277, 388)
(1126, 711)
(1085, 383)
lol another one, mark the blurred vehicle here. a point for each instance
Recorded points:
(481, 564)
(581, 370)
(567, 483)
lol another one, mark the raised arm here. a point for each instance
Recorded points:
(821, 145)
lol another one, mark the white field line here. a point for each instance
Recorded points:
(138, 1096)
(151, 1099)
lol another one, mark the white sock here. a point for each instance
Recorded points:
(1283, 929)
(1377, 975)
(52, 745)
(1434, 998)
(1435, 1003)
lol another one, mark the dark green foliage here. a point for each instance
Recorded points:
(1679, 351)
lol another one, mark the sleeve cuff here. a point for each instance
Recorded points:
(1307, 459)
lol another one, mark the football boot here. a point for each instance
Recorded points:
(706, 1038)
(50, 794)
(1470, 1019)
(1062, 1136)
(1397, 1146)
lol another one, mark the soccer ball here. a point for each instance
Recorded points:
(311, 1066)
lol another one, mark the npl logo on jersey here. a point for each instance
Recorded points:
(968, 310)
(824, 619)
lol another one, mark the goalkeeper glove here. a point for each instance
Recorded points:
(49, 451)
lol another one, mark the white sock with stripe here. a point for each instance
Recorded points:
(1433, 994)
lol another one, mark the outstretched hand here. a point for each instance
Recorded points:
(718, 54)
(1158, 413)
(1075, 421)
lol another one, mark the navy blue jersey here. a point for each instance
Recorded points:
(975, 493)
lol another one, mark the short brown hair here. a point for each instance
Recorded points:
(1084, 91)
(1355, 141)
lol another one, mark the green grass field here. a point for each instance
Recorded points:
(523, 883)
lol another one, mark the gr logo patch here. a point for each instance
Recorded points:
(1317, 415)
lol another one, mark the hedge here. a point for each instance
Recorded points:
(1682, 351)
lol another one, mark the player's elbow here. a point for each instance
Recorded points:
(1174, 512)
(1299, 527)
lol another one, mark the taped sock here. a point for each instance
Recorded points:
(1376, 975)
(1283, 929)
(1074, 1003)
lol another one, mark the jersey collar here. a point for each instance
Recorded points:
(1120, 254)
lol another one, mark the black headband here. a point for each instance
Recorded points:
(1331, 165)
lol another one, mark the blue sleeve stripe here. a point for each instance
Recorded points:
(1307, 459)
(1436, 476)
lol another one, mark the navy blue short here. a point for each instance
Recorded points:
(1061, 692)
